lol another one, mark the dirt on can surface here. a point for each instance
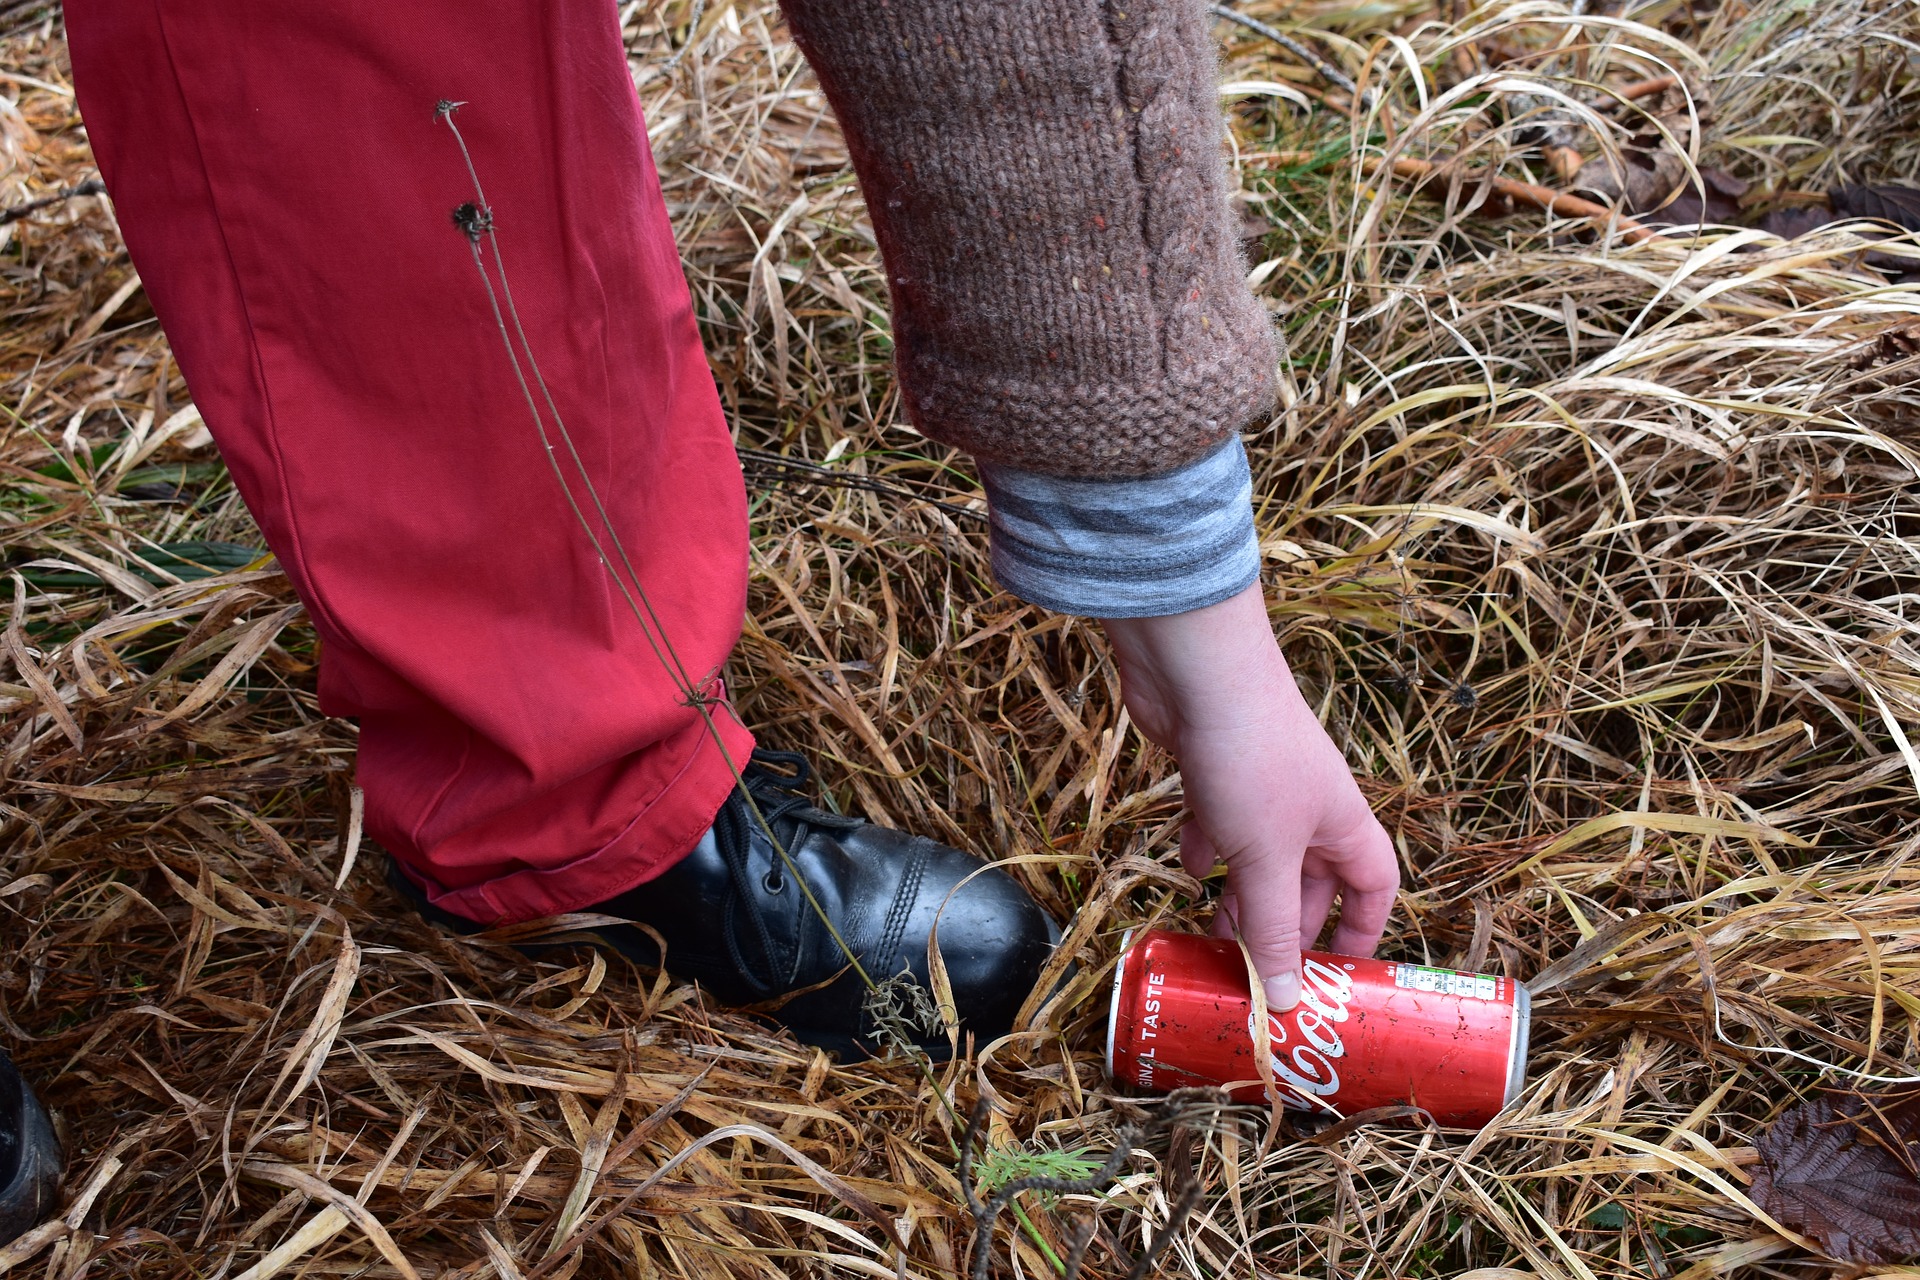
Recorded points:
(1366, 1033)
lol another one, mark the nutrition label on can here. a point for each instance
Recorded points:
(1446, 982)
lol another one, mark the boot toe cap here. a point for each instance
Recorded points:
(994, 940)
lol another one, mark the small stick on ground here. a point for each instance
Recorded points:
(1646, 88)
(91, 187)
(1326, 70)
(1567, 206)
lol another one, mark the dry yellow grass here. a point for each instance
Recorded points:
(1599, 559)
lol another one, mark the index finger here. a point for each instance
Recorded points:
(1369, 871)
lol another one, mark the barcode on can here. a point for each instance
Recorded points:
(1446, 982)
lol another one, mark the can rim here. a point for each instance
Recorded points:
(1517, 1039)
(1113, 1003)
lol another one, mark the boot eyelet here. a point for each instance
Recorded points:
(773, 882)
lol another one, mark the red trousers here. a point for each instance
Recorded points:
(285, 190)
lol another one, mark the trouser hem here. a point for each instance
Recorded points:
(664, 831)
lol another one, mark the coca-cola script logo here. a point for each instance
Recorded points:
(1305, 1040)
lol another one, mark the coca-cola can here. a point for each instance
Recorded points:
(1366, 1033)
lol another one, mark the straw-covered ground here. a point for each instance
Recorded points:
(1595, 551)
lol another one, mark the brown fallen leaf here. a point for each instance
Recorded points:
(1887, 202)
(1564, 161)
(1716, 200)
(1845, 1169)
(1890, 346)
(1641, 178)
(1655, 185)
(1797, 220)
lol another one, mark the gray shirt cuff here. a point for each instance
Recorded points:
(1129, 548)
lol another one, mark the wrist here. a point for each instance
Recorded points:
(1218, 665)
(1232, 634)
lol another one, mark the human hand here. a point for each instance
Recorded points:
(1271, 795)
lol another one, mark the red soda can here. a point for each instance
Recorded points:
(1366, 1033)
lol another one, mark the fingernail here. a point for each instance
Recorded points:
(1283, 992)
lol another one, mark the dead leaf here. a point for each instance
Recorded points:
(1796, 220)
(1564, 161)
(1655, 185)
(1891, 203)
(1890, 346)
(1845, 1169)
(1886, 202)
(1715, 199)
(1638, 181)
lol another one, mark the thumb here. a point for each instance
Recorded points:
(1267, 895)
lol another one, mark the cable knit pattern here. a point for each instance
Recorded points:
(1046, 182)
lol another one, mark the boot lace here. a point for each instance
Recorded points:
(776, 781)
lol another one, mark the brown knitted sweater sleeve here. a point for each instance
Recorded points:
(1046, 181)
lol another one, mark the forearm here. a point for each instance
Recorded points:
(1047, 186)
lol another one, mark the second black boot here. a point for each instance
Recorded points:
(29, 1155)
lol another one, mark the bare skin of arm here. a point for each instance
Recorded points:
(1271, 795)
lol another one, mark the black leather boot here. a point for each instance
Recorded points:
(29, 1156)
(737, 920)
